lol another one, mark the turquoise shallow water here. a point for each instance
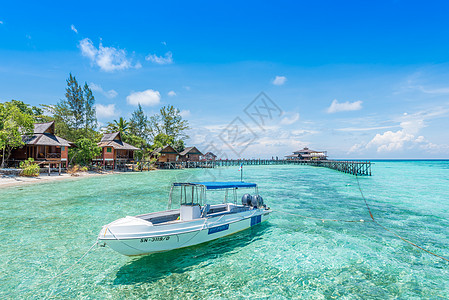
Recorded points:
(47, 227)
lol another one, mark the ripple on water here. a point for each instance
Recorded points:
(46, 227)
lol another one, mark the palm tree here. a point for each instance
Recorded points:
(121, 126)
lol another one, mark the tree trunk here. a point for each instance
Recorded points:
(3, 159)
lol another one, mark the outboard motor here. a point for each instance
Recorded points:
(246, 199)
(256, 201)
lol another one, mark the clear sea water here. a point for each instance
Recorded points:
(45, 228)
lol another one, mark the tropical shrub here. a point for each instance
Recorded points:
(29, 168)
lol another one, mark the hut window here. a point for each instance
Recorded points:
(63, 148)
(108, 149)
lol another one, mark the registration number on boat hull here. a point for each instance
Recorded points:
(155, 239)
(218, 229)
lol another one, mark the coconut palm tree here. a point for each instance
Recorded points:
(121, 126)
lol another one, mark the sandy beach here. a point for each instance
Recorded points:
(11, 180)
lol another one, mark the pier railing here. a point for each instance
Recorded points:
(359, 168)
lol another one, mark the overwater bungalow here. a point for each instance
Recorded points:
(190, 154)
(115, 152)
(165, 154)
(43, 146)
(209, 156)
(307, 154)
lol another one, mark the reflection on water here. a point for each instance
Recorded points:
(158, 265)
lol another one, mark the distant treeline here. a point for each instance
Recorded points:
(76, 121)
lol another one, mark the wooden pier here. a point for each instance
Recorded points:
(359, 168)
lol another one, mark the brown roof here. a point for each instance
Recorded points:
(210, 154)
(47, 127)
(165, 149)
(44, 136)
(306, 150)
(45, 139)
(190, 150)
(111, 137)
(118, 145)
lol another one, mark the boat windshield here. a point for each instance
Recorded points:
(194, 193)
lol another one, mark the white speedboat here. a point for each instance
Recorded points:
(195, 222)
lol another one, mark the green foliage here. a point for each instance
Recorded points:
(139, 124)
(75, 116)
(36, 112)
(162, 140)
(121, 126)
(90, 114)
(84, 152)
(13, 123)
(168, 128)
(179, 145)
(29, 168)
(75, 102)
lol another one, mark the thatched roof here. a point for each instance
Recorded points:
(43, 135)
(190, 150)
(166, 149)
(47, 127)
(117, 145)
(111, 137)
(114, 140)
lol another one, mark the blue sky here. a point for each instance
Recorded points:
(359, 79)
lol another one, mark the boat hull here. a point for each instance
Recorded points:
(174, 236)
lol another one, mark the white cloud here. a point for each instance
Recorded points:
(304, 131)
(279, 80)
(97, 88)
(186, 87)
(73, 28)
(290, 118)
(160, 60)
(164, 43)
(109, 59)
(1, 22)
(393, 141)
(344, 106)
(145, 98)
(28, 36)
(407, 137)
(171, 93)
(365, 128)
(105, 111)
(185, 113)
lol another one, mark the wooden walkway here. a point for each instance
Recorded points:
(359, 168)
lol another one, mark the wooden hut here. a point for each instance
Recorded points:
(307, 154)
(190, 154)
(44, 146)
(209, 156)
(165, 154)
(115, 152)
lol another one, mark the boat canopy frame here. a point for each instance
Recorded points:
(198, 191)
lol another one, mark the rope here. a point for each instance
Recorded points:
(323, 220)
(68, 267)
(397, 235)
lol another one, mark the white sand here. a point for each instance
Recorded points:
(9, 180)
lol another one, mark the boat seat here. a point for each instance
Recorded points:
(216, 209)
(163, 219)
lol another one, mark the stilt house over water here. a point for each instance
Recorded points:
(209, 156)
(165, 154)
(115, 152)
(307, 154)
(44, 146)
(190, 154)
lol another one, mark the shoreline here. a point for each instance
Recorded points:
(12, 180)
